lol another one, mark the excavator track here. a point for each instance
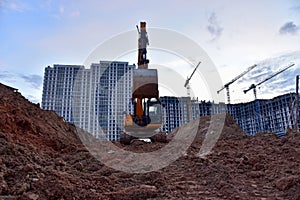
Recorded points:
(160, 137)
(125, 138)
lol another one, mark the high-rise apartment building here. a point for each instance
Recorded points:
(58, 88)
(94, 99)
(112, 88)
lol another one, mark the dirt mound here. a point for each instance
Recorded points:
(41, 157)
(26, 123)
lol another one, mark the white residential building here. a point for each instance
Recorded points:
(58, 89)
(94, 99)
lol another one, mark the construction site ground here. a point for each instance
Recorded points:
(41, 157)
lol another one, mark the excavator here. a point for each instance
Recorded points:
(146, 120)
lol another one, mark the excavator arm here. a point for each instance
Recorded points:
(143, 42)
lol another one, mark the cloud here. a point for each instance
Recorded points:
(280, 84)
(7, 76)
(35, 81)
(214, 27)
(257, 74)
(59, 12)
(296, 8)
(14, 5)
(30, 85)
(33, 99)
(289, 28)
(75, 14)
(61, 9)
(4, 74)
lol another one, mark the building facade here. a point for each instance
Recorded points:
(112, 97)
(94, 99)
(204, 108)
(58, 89)
(272, 115)
(175, 112)
(262, 115)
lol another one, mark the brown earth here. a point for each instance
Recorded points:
(41, 157)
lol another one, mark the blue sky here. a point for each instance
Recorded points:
(235, 34)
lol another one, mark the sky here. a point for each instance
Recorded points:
(234, 34)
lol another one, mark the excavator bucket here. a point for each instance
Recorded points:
(145, 84)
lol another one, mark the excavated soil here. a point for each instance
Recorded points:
(41, 157)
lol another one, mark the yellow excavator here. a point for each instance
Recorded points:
(146, 120)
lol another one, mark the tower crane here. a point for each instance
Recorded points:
(253, 86)
(232, 81)
(187, 82)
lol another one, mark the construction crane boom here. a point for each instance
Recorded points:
(189, 78)
(253, 86)
(233, 80)
(236, 78)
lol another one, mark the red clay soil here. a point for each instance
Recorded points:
(41, 157)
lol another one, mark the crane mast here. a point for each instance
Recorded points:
(253, 86)
(232, 81)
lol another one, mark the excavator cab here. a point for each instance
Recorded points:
(155, 112)
(146, 126)
(151, 113)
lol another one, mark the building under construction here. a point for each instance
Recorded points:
(261, 115)
(176, 112)
(272, 115)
